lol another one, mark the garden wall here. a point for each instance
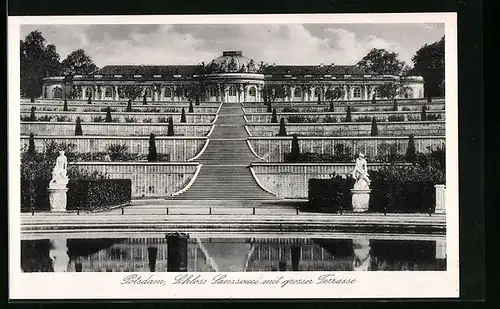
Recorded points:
(113, 129)
(179, 148)
(148, 179)
(272, 149)
(421, 128)
(208, 108)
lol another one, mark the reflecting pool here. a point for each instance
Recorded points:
(233, 255)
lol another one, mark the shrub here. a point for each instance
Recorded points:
(129, 105)
(314, 119)
(331, 109)
(108, 115)
(78, 127)
(147, 120)
(60, 118)
(413, 118)
(98, 194)
(45, 118)
(406, 109)
(170, 131)
(290, 110)
(363, 119)
(152, 110)
(32, 114)
(395, 106)
(296, 119)
(411, 152)
(89, 100)
(433, 117)
(423, 113)
(374, 129)
(282, 131)
(162, 119)
(396, 118)
(389, 153)
(191, 109)
(25, 118)
(130, 119)
(330, 119)
(115, 119)
(119, 152)
(274, 117)
(163, 157)
(330, 195)
(348, 117)
(183, 116)
(97, 119)
(152, 155)
(169, 110)
(65, 106)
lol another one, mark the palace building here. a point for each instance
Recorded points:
(229, 78)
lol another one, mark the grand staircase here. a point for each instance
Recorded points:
(225, 174)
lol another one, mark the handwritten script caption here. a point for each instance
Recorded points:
(223, 279)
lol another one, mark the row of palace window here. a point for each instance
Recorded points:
(108, 92)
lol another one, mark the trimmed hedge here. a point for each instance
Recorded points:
(98, 194)
(330, 195)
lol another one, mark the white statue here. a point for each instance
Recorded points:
(59, 173)
(360, 173)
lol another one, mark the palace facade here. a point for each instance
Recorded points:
(229, 78)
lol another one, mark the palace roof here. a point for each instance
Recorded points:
(146, 70)
(313, 69)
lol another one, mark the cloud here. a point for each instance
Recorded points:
(191, 44)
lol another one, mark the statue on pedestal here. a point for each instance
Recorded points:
(361, 190)
(57, 186)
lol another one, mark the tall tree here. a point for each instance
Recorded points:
(36, 62)
(131, 92)
(78, 63)
(380, 61)
(428, 62)
(392, 90)
(334, 93)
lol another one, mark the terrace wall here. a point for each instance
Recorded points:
(113, 129)
(148, 179)
(306, 107)
(272, 149)
(420, 128)
(180, 149)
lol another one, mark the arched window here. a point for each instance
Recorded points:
(147, 92)
(232, 91)
(212, 92)
(108, 93)
(88, 92)
(356, 92)
(168, 92)
(57, 93)
(252, 92)
(317, 92)
(409, 93)
(297, 93)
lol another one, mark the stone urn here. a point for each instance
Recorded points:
(360, 196)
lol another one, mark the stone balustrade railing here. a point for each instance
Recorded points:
(122, 102)
(179, 148)
(291, 180)
(352, 102)
(272, 149)
(171, 108)
(148, 179)
(381, 116)
(318, 108)
(113, 129)
(421, 128)
(125, 117)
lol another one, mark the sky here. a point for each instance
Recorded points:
(299, 44)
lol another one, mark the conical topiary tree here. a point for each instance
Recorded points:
(31, 144)
(65, 106)
(423, 114)
(348, 117)
(395, 105)
(411, 153)
(191, 109)
(78, 127)
(331, 109)
(32, 114)
(429, 99)
(108, 115)
(183, 116)
(295, 153)
(144, 100)
(152, 154)
(374, 99)
(129, 106)
(269, 107)
(170, 131)
(282, 131)
(89, 100)
(274, 117)
(374, 131)
(319, 98)
(197, 101)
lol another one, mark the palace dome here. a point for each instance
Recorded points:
(231, 62)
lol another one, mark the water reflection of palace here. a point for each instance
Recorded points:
(251, 254)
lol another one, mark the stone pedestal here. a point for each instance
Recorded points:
(440, 199)
(57, 197)
(360, 199)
